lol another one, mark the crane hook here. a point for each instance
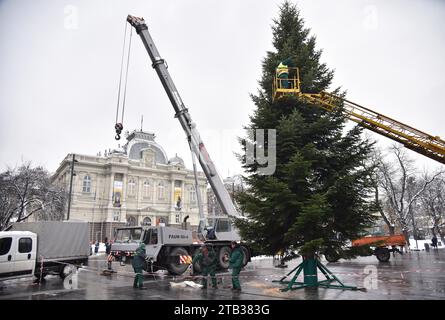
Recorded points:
(119, 127)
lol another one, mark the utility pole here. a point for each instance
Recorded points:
(71, 186)
(414, 230)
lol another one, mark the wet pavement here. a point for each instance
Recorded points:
(418, 275)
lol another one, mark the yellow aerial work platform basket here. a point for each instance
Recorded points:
(286, 86)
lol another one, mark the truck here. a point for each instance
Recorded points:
(169, 248)
(380, 246)
(42, 248)
(383, 245)
(173, 246)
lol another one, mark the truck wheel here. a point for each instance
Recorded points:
(175, 268)
(223, 254)
(66, 270)
(246, 255)
(332, 256)
(382, 254)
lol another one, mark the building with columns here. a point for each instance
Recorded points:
(134, 185)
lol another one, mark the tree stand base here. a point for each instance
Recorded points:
(309, 267)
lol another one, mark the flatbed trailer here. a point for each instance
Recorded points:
(384, 245)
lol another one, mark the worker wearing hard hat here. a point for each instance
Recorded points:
(206, 258)
(138, 265)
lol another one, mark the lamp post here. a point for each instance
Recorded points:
(71, 186)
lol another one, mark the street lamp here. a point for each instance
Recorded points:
(71, 186)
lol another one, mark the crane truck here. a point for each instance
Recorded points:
(171, 248)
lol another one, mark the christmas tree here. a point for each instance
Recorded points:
(318, 197)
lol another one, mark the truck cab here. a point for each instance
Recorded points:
(17, 254)
(128, 239)
(221, 229)
(163, 246)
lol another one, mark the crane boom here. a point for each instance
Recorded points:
(423, 143)
(414, 139)
(181, 112)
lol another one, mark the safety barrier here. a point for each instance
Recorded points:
(185, 259)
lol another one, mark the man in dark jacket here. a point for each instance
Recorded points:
(206, 258)
(107, 246)
(434, 242)
(236, 263)
(138, 265)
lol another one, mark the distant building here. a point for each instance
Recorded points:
(135, 185)
(233, 185)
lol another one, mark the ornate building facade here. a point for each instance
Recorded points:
(133, 185)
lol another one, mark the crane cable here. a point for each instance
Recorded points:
(119, 125)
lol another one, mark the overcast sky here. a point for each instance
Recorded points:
(60, 62)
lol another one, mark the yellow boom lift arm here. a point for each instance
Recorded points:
(430, 146)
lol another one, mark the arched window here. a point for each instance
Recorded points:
(162, 220)
(146, 221)
(131, 221)
(146, 189)
(161, 191)
(131, 187)
(86, 186)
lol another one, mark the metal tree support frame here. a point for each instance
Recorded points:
(309, 267)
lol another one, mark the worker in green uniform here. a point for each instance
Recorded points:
(138, 265)
(283, 73)
(206, 258)
(236, 263)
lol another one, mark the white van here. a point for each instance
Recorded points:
(17, 254)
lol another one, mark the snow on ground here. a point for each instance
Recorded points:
(101, 248)
(421, 244)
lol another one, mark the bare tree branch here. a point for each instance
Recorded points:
(402, 187)
(25, 191)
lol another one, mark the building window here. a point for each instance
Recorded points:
(86, 186)
(131, 187)
(177, 218)
(162, 220)
(116, 216)
(146, 221)
(146, 189)
(131, 221)
(192, 195)
(161, 191)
